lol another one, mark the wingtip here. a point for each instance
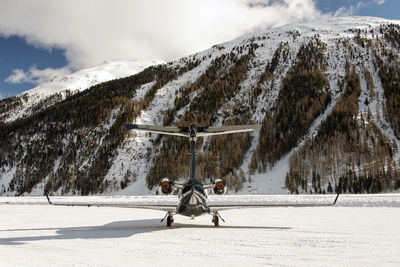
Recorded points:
(337, 196)
(128, 126)
(257, 127)
(47, 196)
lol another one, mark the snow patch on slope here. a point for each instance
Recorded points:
(329, 31)
(77, 82)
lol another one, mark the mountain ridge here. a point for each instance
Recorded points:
(59, 88)
(248, 78)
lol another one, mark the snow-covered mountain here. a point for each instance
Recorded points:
(325, 92)
(59, 88)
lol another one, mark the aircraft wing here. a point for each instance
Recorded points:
(168, 130)
(118, 204)
(217, 130)
(216, 208)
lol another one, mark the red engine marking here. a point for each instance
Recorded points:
(220, 185)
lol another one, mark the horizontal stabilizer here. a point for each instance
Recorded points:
(216, 130)
(200, 131)
(169, 130)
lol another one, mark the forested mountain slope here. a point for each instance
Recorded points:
(61, 87)
(326, 93)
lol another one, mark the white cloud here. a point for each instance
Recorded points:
(35, 75)
(379, 2)
(94, 31)
(351, 10)
(17, 76)
(2, 96)
(344, 11)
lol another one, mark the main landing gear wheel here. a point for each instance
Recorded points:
(170, 220)
(215, 220)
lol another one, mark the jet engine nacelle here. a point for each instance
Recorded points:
(166, 186)
(220, 187)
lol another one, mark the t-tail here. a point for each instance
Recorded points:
(192, 133)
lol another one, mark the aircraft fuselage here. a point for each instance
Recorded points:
(192, 201)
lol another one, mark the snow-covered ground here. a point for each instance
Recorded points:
(44, 235)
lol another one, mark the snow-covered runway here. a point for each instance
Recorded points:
(42, 235)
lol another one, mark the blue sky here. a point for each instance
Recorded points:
(15, 53)
(36, 45)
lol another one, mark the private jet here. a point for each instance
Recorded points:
(192, 194)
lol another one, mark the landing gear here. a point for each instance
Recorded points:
(216, 218)
(170, 219)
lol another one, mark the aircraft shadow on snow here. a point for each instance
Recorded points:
(120, 229)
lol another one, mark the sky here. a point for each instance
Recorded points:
(40, 39)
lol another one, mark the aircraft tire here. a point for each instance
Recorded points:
(216, 221)
(170, 220)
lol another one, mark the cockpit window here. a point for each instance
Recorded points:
(199, 188)
(186, 189)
